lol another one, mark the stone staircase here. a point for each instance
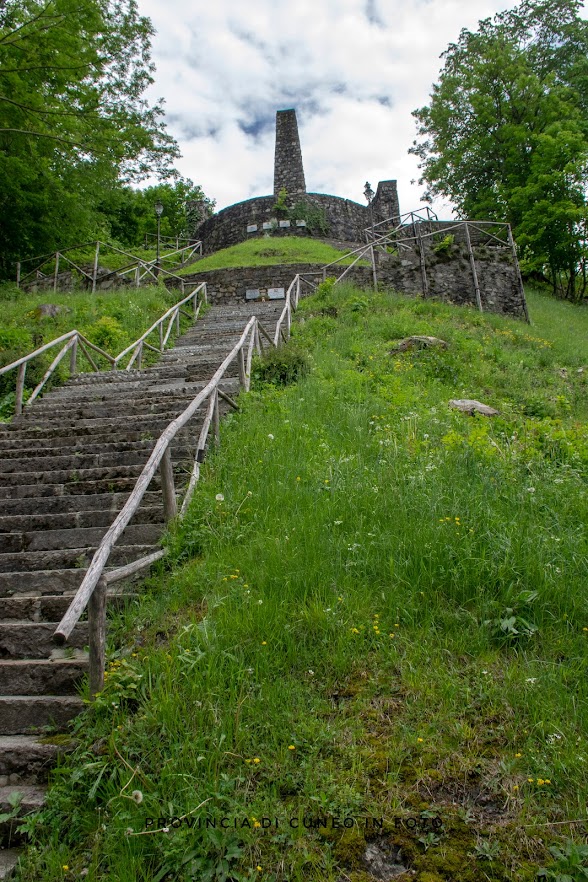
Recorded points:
(67, 466)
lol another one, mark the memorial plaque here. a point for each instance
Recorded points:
(276, 293)
(252, 228)
(267, 225)
(300, 223)
(252, 294)
(284, 223)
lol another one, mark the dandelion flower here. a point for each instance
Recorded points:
(291, 747)
(420, 740)
(219, 497)
(137, 796)
(256, 760)
(264, 642)
(270, 436)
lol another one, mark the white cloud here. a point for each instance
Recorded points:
(353, 69)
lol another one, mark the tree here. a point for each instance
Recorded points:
(73, 119)
(505, 135)
(130, 214)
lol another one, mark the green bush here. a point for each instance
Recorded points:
(280, 367)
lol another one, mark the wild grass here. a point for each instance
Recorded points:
(267, 252)
(375, 608)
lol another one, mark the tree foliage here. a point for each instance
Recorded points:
(73, 118)
(505, 135)
(130, 217)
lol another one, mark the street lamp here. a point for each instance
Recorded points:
(369, 195)
(158, 211)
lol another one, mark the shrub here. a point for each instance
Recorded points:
(280, 367)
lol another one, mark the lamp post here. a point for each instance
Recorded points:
(369, 195)
(158, 211)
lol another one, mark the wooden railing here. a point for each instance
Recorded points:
(74, 341)
(92, 592)
(141, 268)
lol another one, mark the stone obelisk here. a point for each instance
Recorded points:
(288, 168)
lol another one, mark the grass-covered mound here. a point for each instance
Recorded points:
(269, 252)
(377, 610)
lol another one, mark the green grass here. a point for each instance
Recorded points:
(110, 319)
(375, 607)
(268, 252)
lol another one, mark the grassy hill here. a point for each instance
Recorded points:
(375, 610)
(268, 252)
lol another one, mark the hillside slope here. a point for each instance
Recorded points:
(377, 612)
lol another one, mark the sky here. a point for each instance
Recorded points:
(354, 70)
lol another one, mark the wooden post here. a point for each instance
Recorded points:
(178, 322)
(97, 636)
(216, 419)
(20, 381)
(56, 273)
(374, 271)
(18, 274)
(161, 336)
(170, 505)
(473, 266)
(424, 280)
(257, 341)
(73, 356)
(518, 276)
(95, 270)
(140, 356)
(195, 304)
(241, 363)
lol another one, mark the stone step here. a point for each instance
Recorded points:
(99, 395)
(21, 714)
(81, 490)
(153, 423)
(79, 459)
(41, 582)
(42, 676)
(34, 640)
(78, 537)
(70, 475)
(32, 798)
(50, 607)
(101, 503)
(9, 858)
(55, 437)
(27, 759)
(152, 514)
(68, 558)
(84, 447)
(83, 410)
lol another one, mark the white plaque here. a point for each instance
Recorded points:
(275, 293)
(267, 225)
(285, 223)
(300, 223)
(252, 294)
(252, 228)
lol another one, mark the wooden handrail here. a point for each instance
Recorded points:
(92, 591)
(74, 337)
(100, 559)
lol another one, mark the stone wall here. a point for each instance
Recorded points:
(346, 221)
(449, 278)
